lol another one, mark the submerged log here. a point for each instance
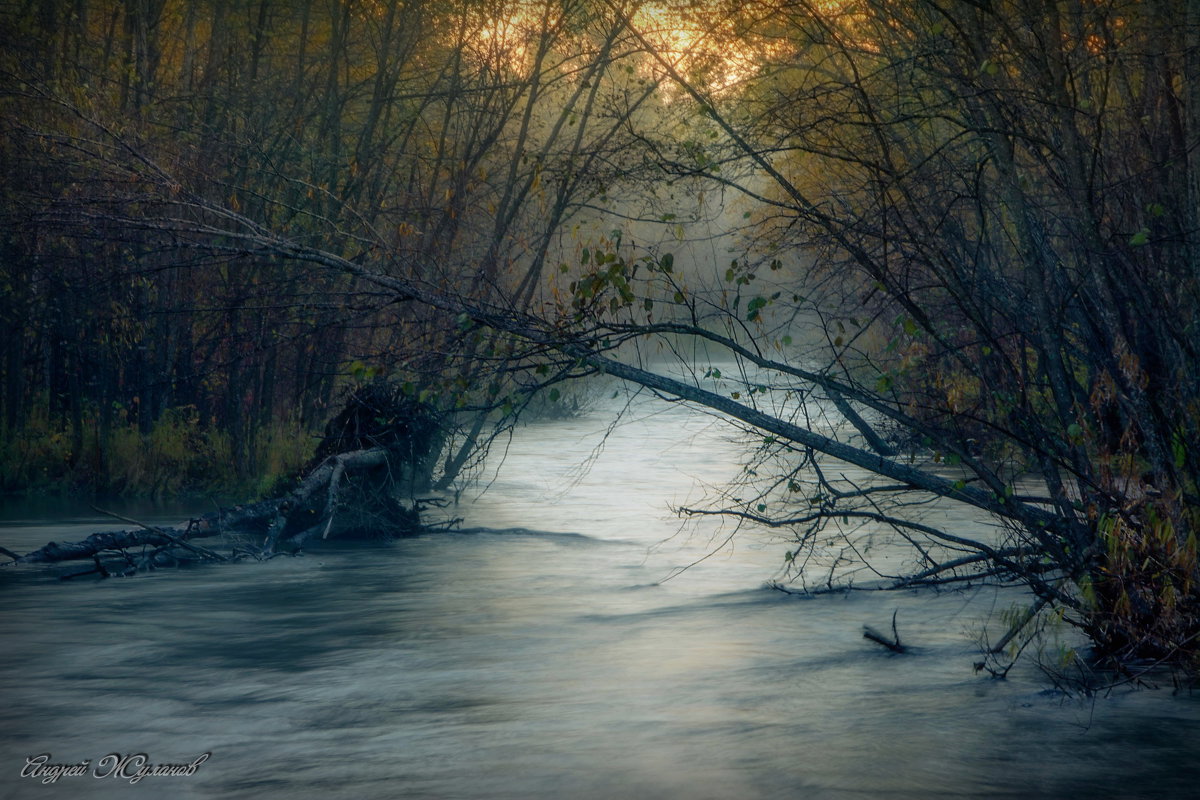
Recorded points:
(359, 484)
(894, 644)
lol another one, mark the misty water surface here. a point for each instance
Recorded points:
(542, 652)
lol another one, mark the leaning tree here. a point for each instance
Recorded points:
(973, 225)
(967, 269)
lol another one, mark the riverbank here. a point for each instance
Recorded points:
(179, 457)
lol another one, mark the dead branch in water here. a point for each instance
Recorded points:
(348, 493)
(894, 644)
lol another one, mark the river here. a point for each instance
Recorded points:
(551, 649)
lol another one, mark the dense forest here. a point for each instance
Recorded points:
(954, 244)
(459, 138)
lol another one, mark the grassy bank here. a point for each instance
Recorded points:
(180, 454)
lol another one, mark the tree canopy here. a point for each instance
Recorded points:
(958, 248)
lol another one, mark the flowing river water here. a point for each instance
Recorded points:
(551, 649)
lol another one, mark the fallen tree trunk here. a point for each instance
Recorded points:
(100, 543)
(359, 492)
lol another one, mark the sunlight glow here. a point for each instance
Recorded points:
(701, 39)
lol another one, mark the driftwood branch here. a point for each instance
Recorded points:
(171, 537)
(289, 518)
(359, 483)
(99, 543)
(894, 644)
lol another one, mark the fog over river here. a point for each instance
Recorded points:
(551, 649)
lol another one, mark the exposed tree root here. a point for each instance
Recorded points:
(359, 492)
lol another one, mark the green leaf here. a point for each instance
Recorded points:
(1140, 238)
(554, 395)
(752, 308)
